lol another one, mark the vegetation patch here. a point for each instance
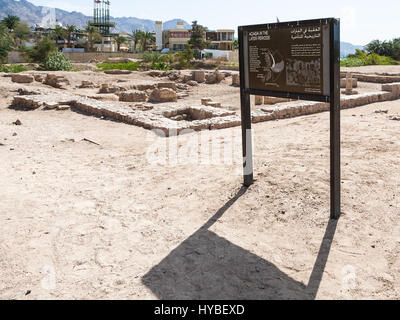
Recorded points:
(56, 61)
(13, 68)
(131, 66)
(362, 58)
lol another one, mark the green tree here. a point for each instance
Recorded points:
(41, 50)
(184, 57)
(374, 46)
(93, 36)
(146, 39)
(21, 32)
(197, 40)
(135, 37)
(6, 42)
(235, 44)
(120, 40)
(10, 22)
(386, 48)
(59, 33)
(70, 30)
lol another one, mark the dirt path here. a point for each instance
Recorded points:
(81, 220)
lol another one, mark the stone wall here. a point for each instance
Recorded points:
(15, 57)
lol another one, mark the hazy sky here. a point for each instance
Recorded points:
(361, 20)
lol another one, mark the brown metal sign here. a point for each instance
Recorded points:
(293, 59)
(297, 60)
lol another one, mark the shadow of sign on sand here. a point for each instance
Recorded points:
(206, 266)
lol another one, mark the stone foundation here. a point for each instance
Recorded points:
(172, 119)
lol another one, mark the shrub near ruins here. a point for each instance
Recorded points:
(56, 61)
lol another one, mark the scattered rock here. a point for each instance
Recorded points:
(170, 85)
(215, 77)
(109, 88)
(50, 105)
(86, 85)
(133, 96)
(105, 97)
(28, 92)
(211, 78)
(182, 95)
(381, 111)
(236, 80)
(192, 83)
(143, 107)
(199, 76)
(17, 122)
(258, 100)
(173, 75)
(144, 87)
(63, 107)
(187, 78)
(182, 86)
(204, 101)
(155, 73)
(395, 118)
(163, 95)
(179, 117)
(22, 78)
(58, 82)
(273, 100)
(213, 104)
(39, 77)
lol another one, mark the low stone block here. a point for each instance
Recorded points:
(133, 96)
(163, 95)
(22, 78)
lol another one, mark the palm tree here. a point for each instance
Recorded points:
(146, 39)
(93, 36)
(59, 33)
(6, 42)
(70, 29)
(119, 40)
(21, 32)
(11, 22)
(135, 36)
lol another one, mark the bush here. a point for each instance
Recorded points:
(131, 66)
(159, 66)
(13, 68)
(56, 61)
(6, 42)
(385, 48)
(361, 58)
(184, 57)
(41, 51)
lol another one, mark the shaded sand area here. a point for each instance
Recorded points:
(87, 212)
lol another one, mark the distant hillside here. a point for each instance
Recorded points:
(32, 14)
(348, 48)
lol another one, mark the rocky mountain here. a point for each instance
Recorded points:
(35, 14)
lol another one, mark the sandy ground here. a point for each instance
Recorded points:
(383, 70)
(80, 220)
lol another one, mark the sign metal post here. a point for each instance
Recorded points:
(297, 60)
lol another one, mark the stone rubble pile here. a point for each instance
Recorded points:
(58, 82)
